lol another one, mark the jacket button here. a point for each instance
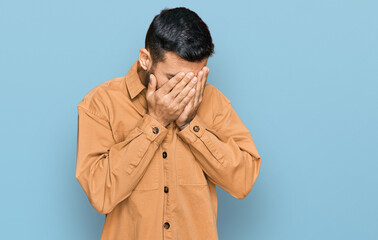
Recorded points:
(196, 128)
(166, 225)
(155, 130)
(164, 155)
(166, 189)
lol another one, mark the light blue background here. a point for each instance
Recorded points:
(302, 76)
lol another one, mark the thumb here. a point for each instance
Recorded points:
(151, 85)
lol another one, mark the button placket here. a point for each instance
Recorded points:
(166, 189)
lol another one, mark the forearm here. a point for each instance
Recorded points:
(108, 173)
(232, 166)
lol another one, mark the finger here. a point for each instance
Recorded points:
(187, 98)
(198, 88)
(191, 85)
(189, 106)
(171, 83)
(185, 111)
(181, 85)
(204, 79)
(192, 100)
(151, 88)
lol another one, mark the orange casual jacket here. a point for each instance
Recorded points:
(155, 182)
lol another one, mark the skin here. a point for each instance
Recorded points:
(171, 97)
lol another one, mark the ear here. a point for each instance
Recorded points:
(145, 59)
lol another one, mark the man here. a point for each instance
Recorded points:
(153, 144)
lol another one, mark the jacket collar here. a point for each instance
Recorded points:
(133, 82)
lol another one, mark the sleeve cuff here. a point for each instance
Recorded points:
(153, 129)
(193, 130)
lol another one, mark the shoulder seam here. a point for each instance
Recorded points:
(93, 112)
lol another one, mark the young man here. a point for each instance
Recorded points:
(153, 144)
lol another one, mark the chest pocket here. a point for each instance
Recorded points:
(149, 181)
(189, 171)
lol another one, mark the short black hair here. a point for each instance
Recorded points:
(181, 31)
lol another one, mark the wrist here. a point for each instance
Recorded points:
(181, 126)
(162, 122)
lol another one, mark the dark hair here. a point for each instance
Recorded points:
(181, 31)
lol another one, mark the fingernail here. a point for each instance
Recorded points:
(194, 80)
(190, 75)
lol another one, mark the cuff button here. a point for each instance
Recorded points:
(196, 128)
(155, 130)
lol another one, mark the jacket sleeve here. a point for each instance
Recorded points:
(109, 171)
(226, 152)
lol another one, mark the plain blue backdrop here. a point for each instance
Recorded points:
(302, 75)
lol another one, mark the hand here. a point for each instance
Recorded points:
(166, 105)
(191, 108)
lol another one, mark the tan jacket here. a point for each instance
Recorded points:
(154, 182)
